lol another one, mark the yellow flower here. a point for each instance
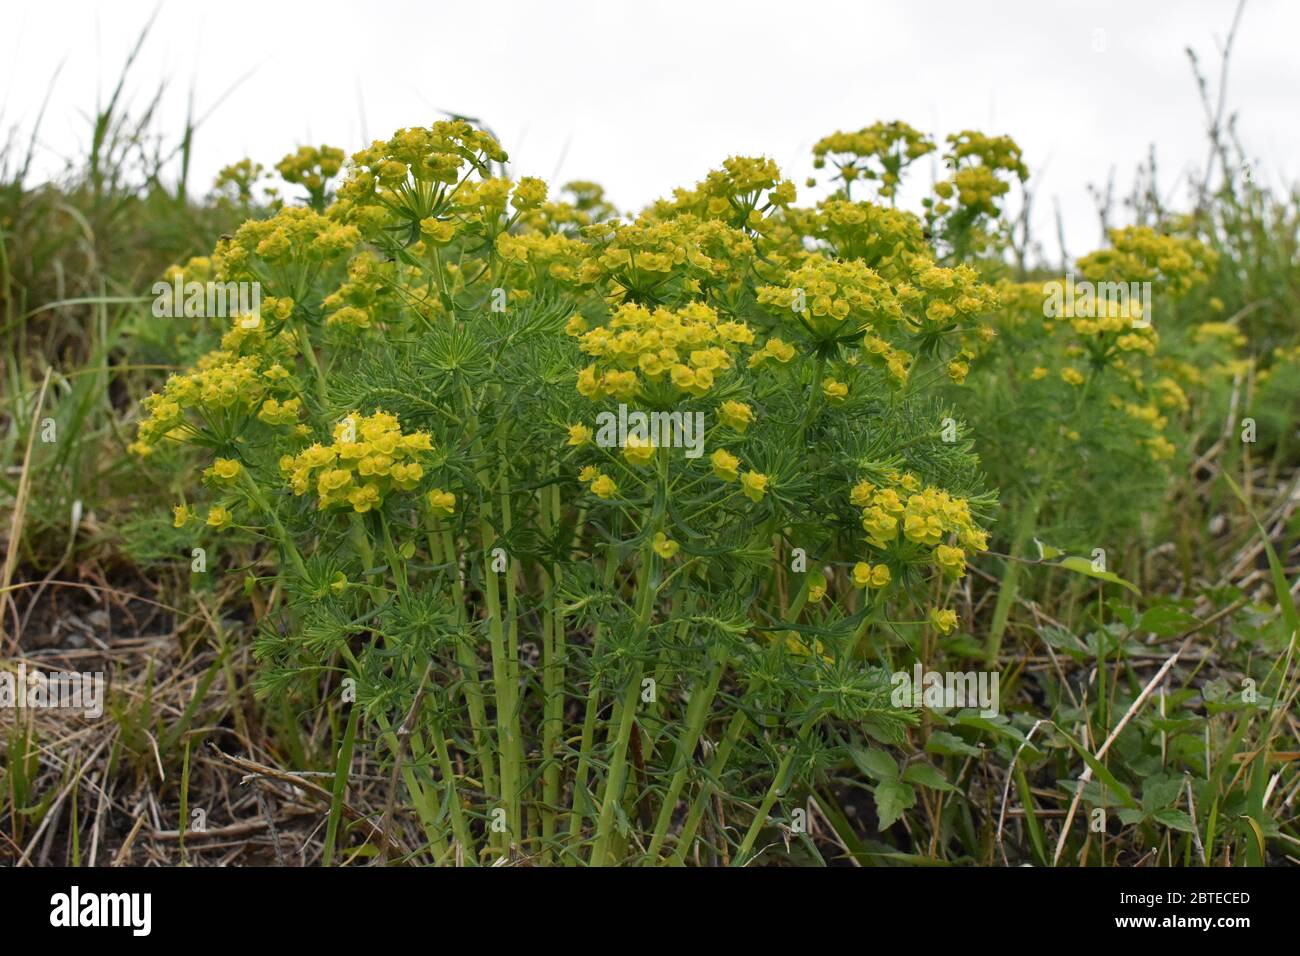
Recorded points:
(639, 451)
(880, 526)
(775, 348)
(415, 441)
(753, 485)
(957, 371)
(579, 435)
(604, 487)
(834, 391)
(944, 621)
(218, 517)
(441, 502)
(1038, 373)
(861, 493)
(332, 480)
(867, 576)
(664, 546)
(363, 498)
(406, 475)
(736, 415)
(224, 469)
(180, 516)
(1071, 376)
(724, 464)
(589, 473)
(1161, 448)
(951, 560)
(439, 232)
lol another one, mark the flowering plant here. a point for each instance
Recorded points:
(599, 520)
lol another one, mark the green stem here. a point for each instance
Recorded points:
(719, 763)
(458, 823)
(613, 789)
(553, 649)
(697, 714)
(577, 810)
(612, 793)
(1008, 586)
(468, 660)
(773, 792)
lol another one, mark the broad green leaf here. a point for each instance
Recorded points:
(892, 798)
(876, 764)
(1174, 819)
(1166, 620)
(1084, 566)
(950, 745)
(925, 775)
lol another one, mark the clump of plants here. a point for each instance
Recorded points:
(601, 521)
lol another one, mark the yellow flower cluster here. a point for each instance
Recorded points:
(483, 201)
(586, 207)
(833, 300)
(425, 155)
(220, 382)
(1223, 334)
(892, 146)
(734, 194)
(552, 254)
(311, 166)
(238, 179)
(652, 260)
(945, 296)
(977, 161)
(879, 236)
(929, 517)
(1140, 254)
(368, 457)
(294, 236)
(940, 301)
(686, 348)
(354, 304)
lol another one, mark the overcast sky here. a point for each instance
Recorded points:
(646, 96)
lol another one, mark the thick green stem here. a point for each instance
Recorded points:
(614, 781)
(504, 688)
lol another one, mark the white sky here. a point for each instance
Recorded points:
(645, 96)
